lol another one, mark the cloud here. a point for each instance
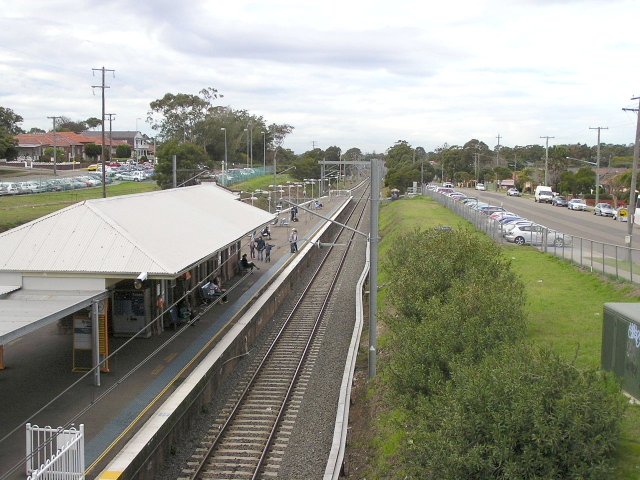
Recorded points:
(353, 74)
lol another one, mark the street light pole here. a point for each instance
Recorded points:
(546, 160)
(251, 144)
(598, 162)
(247, 130)
(264, 152)
(224, 162)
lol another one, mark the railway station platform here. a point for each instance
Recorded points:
(38, 385)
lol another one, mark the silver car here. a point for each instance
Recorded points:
(577, 204)
(604, 209)
(533, 234)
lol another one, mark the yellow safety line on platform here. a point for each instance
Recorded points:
(144, 411)
(110, 475)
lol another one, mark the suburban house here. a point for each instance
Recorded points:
(32, 146)
(141, 145)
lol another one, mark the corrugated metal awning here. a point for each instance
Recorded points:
(25, 311)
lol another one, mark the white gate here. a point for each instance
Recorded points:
(55, 453)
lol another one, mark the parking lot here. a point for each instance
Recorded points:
(19, 181)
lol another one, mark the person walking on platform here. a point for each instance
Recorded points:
(260, 243)
(293, 240)
(267, 252)
(252, 248)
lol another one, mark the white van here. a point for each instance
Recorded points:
(543, 194)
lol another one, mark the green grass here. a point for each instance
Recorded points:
(564, 310)
(262, 183)
(19, 209)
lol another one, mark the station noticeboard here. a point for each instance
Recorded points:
(82, 338)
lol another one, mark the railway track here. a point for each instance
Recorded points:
(251, 433)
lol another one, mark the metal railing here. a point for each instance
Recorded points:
(55, 453)
(615, 261)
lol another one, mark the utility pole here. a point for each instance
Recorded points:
(55, 144)
(103, 87)
(634, 179)
(498, 149)
(111, 116)
(546, 160)
(598, 162)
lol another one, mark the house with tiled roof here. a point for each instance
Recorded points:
(33, 145)
(139, 143)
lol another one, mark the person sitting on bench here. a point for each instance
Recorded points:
(212, 290)
(266, 232)
(246, 264)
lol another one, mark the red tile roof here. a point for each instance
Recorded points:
(62, 139)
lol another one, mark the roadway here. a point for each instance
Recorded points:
(572, 222)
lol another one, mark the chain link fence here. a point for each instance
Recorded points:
(614, 261)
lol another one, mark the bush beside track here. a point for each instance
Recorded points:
(528, 404)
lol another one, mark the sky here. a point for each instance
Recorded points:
(348, 73)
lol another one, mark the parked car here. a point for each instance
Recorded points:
(490, 209)
(622, 214)
(9, 188)
(481, 186)
(514, 192)
(559, 201)
(534, 234)
(604, 209)
(130, 176)
(577, 204)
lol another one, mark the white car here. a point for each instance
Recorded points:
(577, 204)
(480, 186)
(130, 176)
(513, 192)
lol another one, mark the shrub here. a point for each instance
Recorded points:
(521, 414)
(446, 306)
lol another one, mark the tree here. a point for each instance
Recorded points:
(92, 150)
(48, 154)
(8, 129)
(123, 151)
(9, 121)
(400, 153)
(178, 117)
(8, 145)
(585, 179)
(332, 154)
(36, 130)
(65, 124)
(306, 167)
(502, 173)
(567, 183)
(92, 122)
(188, 157)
